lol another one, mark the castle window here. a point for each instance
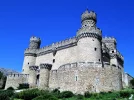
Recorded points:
(28, 63)
(54, 52)
(99, 59)
(75, 78)
(95, 49)
(112, 51)
(53, 60)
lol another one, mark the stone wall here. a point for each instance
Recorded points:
(86, 76)
(14, 80)
(68, 55)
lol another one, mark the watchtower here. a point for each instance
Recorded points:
(89, 39)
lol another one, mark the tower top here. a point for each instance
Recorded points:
(88, 15)
(35, 39)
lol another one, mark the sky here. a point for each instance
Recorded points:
(56, 20)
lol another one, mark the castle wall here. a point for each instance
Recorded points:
(14, 80)
(86, 76)
(62, 56)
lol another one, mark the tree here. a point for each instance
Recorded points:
(132, 82)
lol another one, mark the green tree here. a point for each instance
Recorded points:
(132, 82)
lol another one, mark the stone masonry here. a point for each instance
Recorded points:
(86, 62)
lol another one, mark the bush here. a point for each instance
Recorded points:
(56, 93)
(10, 88)
(4, 95)
(125, 94)
(23, 86)
(28, 94)
(87, 94)
(80, 97)
(46, 97)
(66, 94)
(132, 82)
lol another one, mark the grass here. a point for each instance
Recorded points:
(31, 94)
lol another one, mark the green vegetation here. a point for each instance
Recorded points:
(36, 94)
(132, 82)
(23, 86)
(2, 78)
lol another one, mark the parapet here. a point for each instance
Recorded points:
(33, 67)
(120, 55)
(46, 66)
(88, 15)
(104, 48)
(17, 75)
(109, 40)
(30, 52)
(57, 46)
(35, 39)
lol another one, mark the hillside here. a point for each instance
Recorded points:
(7, 71)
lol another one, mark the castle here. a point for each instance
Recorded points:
(86, 62)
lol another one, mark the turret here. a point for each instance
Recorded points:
(30, 54)
(34, 43)
(89, 38)
(32, 76)
(44, 75)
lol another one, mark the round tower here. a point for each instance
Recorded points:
(30, 54)
(32, 76)
(44, 76)
(89, 39)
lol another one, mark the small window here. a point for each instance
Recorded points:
(95, 49)
(93, 39)
(75, 78)
(53, 60)
(112, 51)
(99, 59)
(28, 63)
(23, 70)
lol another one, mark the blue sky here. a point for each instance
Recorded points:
(55, 20)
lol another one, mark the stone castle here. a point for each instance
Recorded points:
(86, 62)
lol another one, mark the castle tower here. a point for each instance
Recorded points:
(30, 54)
(89, 39)
(32, 76)
(44, 76)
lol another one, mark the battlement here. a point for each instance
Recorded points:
(120, 55)
(88, 15)
(33, 67)
(80, 64)
(17, 75)
(57, 46)
(104, 48)
(46, 66)
(35, 39)
(109, 40)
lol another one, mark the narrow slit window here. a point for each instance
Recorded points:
(95, 49)
(76, 78)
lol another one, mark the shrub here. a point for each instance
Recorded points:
(23, 86)
(4, 95)
(46, 97)
(87, 94)
(56, 93)
(125, 94)
(132, 82)
(66, 94)
(10, 88)
(80, 97)
(28, 94)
